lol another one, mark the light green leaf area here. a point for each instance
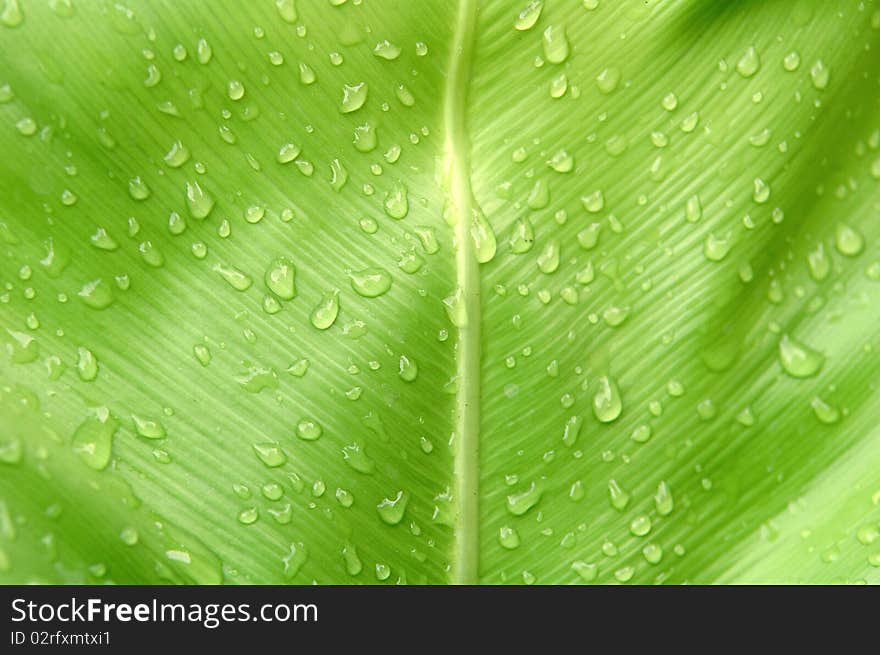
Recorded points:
(408, 292)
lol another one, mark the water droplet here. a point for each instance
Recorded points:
(306, 74)
(819, 263)
(663, 500)
(523, 237)
(761, 191)
(370, 282)
(257, 378)
(298, 368)
(386, 50)
(556, 46)
(521, 502)
(587, 572)
(288, 152)
(103, 241)
(138, 189)
(11, 15)
(407, 369)
(391, 510)
(86, 365)
(799, 360)
(353, 97)
(199, 202)
(202, 354)
(607, 402)
(287, 10)
(456, 308)
(483, 237)
(177, 155)
(93, 439)
(640, 526)
(824, 412)
(151, 254)
(270, 454)
(280, 278)
(820, 75)
(652, 553)
(749, 63)
(234, 277)
(558, 86)
(848, 240)
(572, 430)
(96, 294)
(325, 312)
(548, 259)
(356, 457)
(147, 427)
(561, 161)
(397, 202)
(593, 202)
(589, 236)
(618, 497)
(26, 126)
(614, 316)
(309, 430)
(608, 80)
(716, 247)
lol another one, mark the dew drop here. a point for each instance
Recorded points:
(408, 370)
(309, 430)
(353, 97)
(199, 202)
(325, 312)
(749, 63)
(391, 510)
(93, 439)
(799, 360)
(848, 240)
(607, 402)
(280, 278)
(86, 365)
(270, 454)
(824, 412)
(521, 502)
(556, 48)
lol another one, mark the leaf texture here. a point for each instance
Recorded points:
(378, 291)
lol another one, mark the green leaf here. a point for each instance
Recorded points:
(358, 292)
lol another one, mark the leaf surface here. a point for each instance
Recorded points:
(404, 292)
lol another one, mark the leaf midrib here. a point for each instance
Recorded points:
(465, 553)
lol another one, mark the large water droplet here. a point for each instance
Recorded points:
(280, 278)
(325, 312)
(529, 15)
(353, 97)
(391, 510)
(199, 202)
(370, 282)
(556, 46)
(799, 360)
(521, 502)
(93, 439)
(607, 402)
